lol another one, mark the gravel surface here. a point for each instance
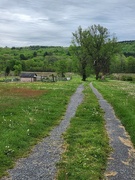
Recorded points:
(41, 163)
(121, 163)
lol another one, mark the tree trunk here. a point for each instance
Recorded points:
(97, 75)
(84, 77)
(84, 71)
(97, 71)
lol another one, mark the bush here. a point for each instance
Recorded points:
(129, 78)
(122, 77)
(126, 78)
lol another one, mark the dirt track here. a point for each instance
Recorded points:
(121, 163)
(41, 163)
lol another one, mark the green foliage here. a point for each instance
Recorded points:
(7, 71)
(33, 58)
(78, 50)
(44, 58)
(128, 48)
(17, 69)
(122, 64)
(130, 64)
(101, 48)
(86, 146)
(61, 67)
(126, 78)
(122, 76)
(94, 47)
(22, 57)
(34, 54)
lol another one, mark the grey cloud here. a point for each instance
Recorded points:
(52, 22)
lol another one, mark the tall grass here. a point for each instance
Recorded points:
(28, 111)
(121, 95)
(86, 146)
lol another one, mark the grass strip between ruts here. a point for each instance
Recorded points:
(86, 142)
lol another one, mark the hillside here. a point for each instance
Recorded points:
(57, 58)
(33, 58)
(128, 48)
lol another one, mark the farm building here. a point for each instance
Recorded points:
(28, 77)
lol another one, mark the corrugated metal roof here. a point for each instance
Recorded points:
(28, 75)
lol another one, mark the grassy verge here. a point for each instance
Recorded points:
(86, 146)
(28, 111)
(121, 95)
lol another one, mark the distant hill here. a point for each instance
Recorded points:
(34, 58)
(128, 47)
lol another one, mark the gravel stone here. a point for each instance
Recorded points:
(121, 163)
(41, 163)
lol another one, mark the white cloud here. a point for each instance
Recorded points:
(51, 22)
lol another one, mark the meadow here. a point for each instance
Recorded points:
(28, 111)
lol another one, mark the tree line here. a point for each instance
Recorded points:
(36, 59)
(92, 50)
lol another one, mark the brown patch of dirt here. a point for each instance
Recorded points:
(126, 142)
(26, 92)
(125, 162)
(109, 174)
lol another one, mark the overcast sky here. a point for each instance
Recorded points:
(51, 22)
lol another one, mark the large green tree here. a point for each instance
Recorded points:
(7, 71)
(78, 49)
(94, 46)
(61, 67)
(131, 64)
(101, 48)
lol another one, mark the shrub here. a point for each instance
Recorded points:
(129, 78)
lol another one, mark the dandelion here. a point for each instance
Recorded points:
(10, 125)
(8, 151)
(28, 132)
(4, 118)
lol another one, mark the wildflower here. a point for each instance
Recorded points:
(28, 132)
(10, 125)
(8, 151)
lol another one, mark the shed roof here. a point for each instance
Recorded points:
(28, 75)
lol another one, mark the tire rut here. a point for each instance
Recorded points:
(41, 163)
(121, 163)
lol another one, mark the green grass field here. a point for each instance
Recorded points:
(121, 94)
(28, 111)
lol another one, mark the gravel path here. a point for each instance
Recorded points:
(121, 163)
(41, 163)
